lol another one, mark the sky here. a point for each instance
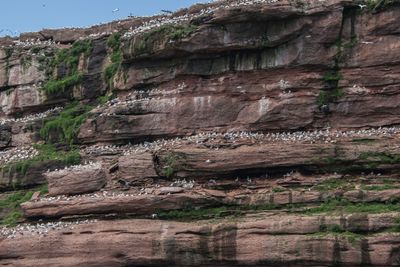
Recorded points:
(19, 16)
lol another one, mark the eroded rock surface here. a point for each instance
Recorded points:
(242, 243)
(233, 133)
(76, 181)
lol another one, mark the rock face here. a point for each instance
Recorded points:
(233, 133)
(244, 243)
(72, 182)
(31, 177)
(98, 204)
(138, 168)
(258, 71)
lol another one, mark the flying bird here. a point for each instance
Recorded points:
(115, 10)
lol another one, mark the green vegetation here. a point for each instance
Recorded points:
(114, 43)
(35, 50)
(61, 85)
(179, 32)
(216, 212)
(382, 157)
(167, 32)
(396, 228)
(68, 58)
(331, 206)
(170, 167)
(376, 5)
(104, 99)
(45, 60)
(25, 61)
(332, 77)
(8, 51)
(326, 97)
(47, 152)
(353, 238)
(333, 228)
(65, 127)
(345, 206)
(350, 44)
(197, 214)
(11, 206)
(334, 93)
(380, 187)
(332, 160)
(334, 184)
(278, 189)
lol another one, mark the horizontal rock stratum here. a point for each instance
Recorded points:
(233, 133)
(259, 241)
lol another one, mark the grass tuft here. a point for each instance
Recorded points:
(65, 127)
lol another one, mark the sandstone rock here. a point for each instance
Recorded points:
(191, 161)
(373, 196)
(172, 199)
(137, 168)
(214, 193)
(226, 99)
(208, 244)
(169, 190)
(137, 205)
(73, 182)
(11, 179)
(267, 67)
(35, 196)
(5, 136)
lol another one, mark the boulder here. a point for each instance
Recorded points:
(137, 168)
(76, 181)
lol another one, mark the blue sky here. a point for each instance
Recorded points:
(32, 15)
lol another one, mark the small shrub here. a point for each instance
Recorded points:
(26, 62)
(332, 77)
(334, 184)
(8, 51)
(338, 205)
(114, 43)
(57, 86)
(171, 164)
(104, 99)
(66, 124)
(329, 96)
(166, 32)
(384, 158)
(47, 152)
(376, 5)
(179, 32)
(333, 228)
(11, 205)
(68, 57)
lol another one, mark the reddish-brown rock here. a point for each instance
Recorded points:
(250, 242)
(269, 157)
(142, 205)
(137, 168)
(76, 181)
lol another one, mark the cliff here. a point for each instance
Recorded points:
(234, 133)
